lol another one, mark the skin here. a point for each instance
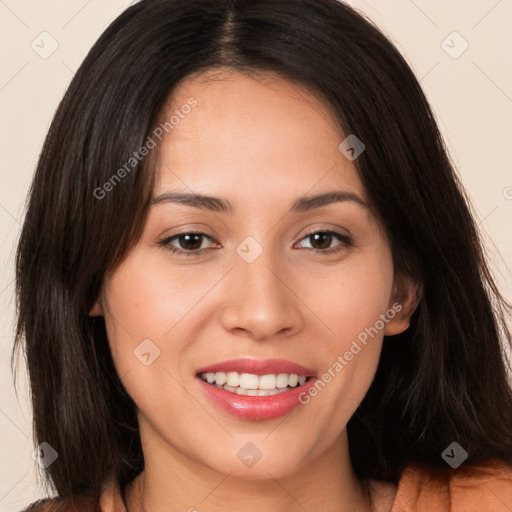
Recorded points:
(260, 144)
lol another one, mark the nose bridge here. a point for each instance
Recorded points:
(260, 302)
(259, 277)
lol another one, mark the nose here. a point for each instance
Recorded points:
(260, 300)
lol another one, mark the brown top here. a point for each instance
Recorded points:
(484, 487)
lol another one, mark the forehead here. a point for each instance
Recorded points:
(251, 137)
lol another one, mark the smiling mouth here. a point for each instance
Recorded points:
(250, 384)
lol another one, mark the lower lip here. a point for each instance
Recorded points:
(256, 407)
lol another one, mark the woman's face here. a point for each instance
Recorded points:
(296, 287)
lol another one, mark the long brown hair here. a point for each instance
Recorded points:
(442, 380)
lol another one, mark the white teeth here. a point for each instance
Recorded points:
(232, 379)
(253, 385)
(267, 382)
(282, 380)
(220, 378)
(248, 381)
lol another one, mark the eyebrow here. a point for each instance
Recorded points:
(217, 204)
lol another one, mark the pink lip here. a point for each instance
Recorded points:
(256, 407)
(258, 367)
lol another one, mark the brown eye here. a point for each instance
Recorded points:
(190, 242)
(187, 244)
(321, 241)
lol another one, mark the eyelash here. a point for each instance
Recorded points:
(345, 243)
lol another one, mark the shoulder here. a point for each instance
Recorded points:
(486, 485)
(62, 505)
(110, 500)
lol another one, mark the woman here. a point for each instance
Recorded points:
(249, 277)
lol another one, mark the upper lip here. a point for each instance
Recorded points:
(258, 367)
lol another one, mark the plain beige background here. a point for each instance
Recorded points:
(469, 88)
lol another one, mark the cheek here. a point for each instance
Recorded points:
(151, 315)
(145, 300)
(351, 305)
(352, 310)
(140, 306)
(144, 310)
